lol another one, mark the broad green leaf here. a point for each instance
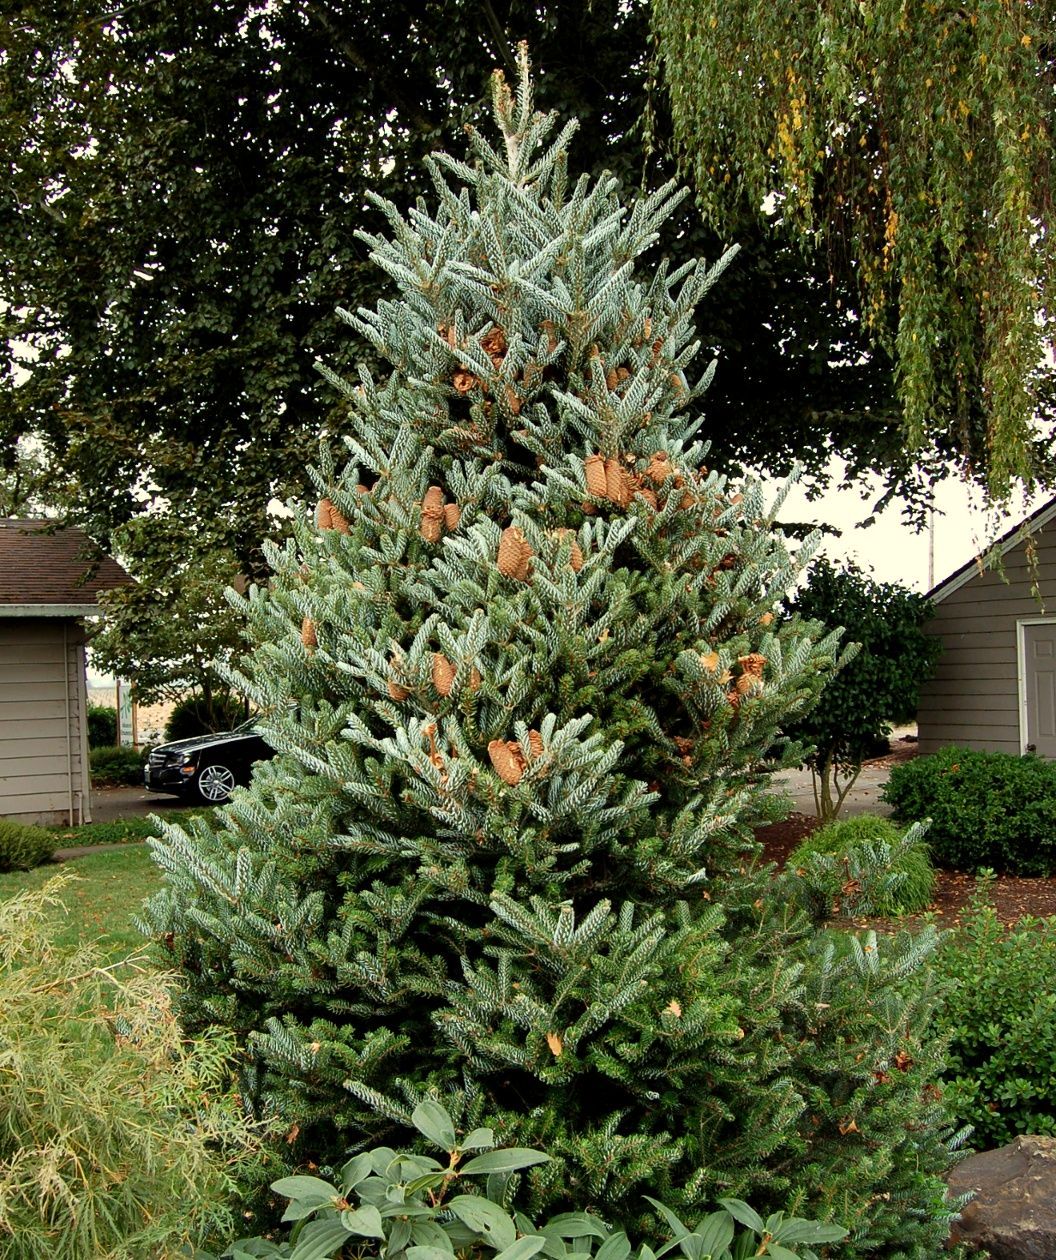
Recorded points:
(303, 1187)
(399, 1237)
(364, 1221)
(478, 1140)
(669, 1216)
(743, 1214)
(716, 1231)
(779, 1253)
(432, 1120)
(617, 1247)
(509, 1159)
(425, 1183)
(320, 1240)
(523, 1248)
(487, 1218)
(304, 1205)
(383, 1157)
(427, 1253)
(574, 1225)
(358, 1169)
(799, 1231)
(428, 1234)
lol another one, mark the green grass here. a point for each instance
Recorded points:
(100, 904)
(124, 831)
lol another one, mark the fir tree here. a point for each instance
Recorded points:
(520, 670)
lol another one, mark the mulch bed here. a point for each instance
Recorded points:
(1012, 897)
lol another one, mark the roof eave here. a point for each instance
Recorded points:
(48, 610)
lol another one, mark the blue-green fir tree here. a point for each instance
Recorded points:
(520, 668)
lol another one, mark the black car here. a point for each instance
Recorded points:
(208, 767)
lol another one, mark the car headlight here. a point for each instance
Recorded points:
(187, 759)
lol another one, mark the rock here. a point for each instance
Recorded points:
(1013, 1214)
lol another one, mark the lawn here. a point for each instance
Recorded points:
(109, 889)
(123, 831)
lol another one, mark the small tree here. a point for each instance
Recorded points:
(875, 688)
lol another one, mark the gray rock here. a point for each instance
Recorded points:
(1013, 1214)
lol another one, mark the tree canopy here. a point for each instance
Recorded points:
(912, 145)
(176, 228)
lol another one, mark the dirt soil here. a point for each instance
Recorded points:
(1013, 897)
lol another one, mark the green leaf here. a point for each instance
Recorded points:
(616, 1247)
(320, 1240)
(487, 1218)
(478, 1140)
(358, 1169)
(669, 1216)
(432, 1120)
(795, 1230)
(523, 1248)
(509, 1159)
(297, 1209)
(779, 1253)
(304, 1187)
(427, 1253)
(365, 1221)
(743, 1214)
(716, 1231)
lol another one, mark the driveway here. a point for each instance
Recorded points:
(114, 803)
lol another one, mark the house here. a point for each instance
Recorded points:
(48, 584)
(995, 682)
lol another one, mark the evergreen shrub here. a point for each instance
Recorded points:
(522, 665)
(102, 726)
(865, 866)
(987, 809)
(117, 1141)
(117, 767)
(193, 716)
(999, 1013)
(23, 846)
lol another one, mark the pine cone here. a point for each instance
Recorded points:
(547, 326)
(513, 401)
(576, 557)
(618, 486)
(710, 661)
(611, 379)
(463, 381)
(766, 619)
(752, 664)
(515, 554)
(508, 760)
(322, 513)
(452, 515)
(659, 468)
(432, 514)
(597, 484)
(494, 342)
(443, 673)
(431, 528)
(447, 331)
(649, 496)
(535, 743)
(396, 691)
(308, 635)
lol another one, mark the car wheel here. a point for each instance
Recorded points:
(215, 783)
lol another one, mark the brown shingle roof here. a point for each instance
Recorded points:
(42, 568)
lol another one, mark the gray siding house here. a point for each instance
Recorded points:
(995, 684)
(48, 584)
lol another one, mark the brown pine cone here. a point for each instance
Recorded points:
(513, 400)
(547, 326)
(515, 554)
(649, 496)
(452, 515)
(494, 342)
(618, 486)
(508, 760)
(396, 691)
(659, 468)
(431, 528)
(432, 514)
(597, 482)
(752, 664)
(322, 513)
(710, 661)
(575, 560)
(443, 673)
(338, 521)
(463, 381)
(611, 379)
(535, 743)
(308, 635)
(447, 331)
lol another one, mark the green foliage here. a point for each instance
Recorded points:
(501, 855)
(117, 767)
(999, 1013)
(865, 866)
(987, 809)
(880, 684)
(117, 1140)
(198, 715)
(23, 846)
(102, 726)
(916, 142)
(405, 1201)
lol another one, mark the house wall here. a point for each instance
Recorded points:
(43, 731)
(973, 699)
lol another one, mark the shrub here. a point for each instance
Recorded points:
(479, 1224)
(102, 726)
(865, 866)
(987, 809)
(22, 847)
(194, 716)
(117, 767)
(999, 1013)
(116, 1140)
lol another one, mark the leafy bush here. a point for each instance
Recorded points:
(22, 847)
(403, 1202)
(864, 865)
(1000, 1015)
(102, 726)
(877, 687)
(117, 767)
(987, 809)
(195, 716)
(117, 1140)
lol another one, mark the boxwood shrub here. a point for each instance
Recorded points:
(22, 846)
(1000, 1016)
(987, 809)
(116, 767)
